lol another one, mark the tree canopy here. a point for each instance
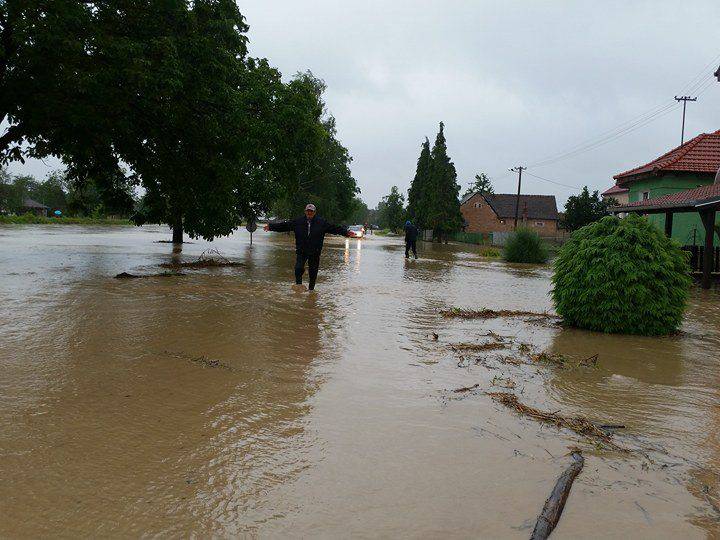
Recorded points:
(481, 184)
(433, 195)
(419, 192)
(585, 208)
(391, 210)
(443, 214)
(163, 95)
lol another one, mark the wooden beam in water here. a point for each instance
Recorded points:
(708, 219)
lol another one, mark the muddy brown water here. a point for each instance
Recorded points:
(221, 403)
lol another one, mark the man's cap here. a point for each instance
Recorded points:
(310, 207)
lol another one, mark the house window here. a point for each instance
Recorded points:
(645, 195)
(477, 205)
(539, 223)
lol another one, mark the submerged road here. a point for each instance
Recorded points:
(222, 403)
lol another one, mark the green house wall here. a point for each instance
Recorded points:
(687, 227)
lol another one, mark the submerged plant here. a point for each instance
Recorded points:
(621, 276)
(525, 246)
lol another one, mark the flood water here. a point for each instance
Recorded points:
(221, 403)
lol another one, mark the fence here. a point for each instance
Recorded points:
(472, 238)
(697, 255)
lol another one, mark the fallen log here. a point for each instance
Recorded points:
(554, 505)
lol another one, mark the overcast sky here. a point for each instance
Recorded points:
(514, 82)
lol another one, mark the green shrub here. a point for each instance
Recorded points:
(489, 251)
(525, 246)
(621, 276)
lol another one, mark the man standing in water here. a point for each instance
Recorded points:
(310, 231)
(411, 234)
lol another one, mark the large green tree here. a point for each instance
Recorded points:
(419, 192)
(391, 210)
(443, 215)
(162, 94)
(585, 208)
(313, 166)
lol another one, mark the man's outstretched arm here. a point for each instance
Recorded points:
(280, 226)
(336, 229)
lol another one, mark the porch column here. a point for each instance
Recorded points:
(668, 224)
(708, 219)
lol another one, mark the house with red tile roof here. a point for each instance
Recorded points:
(621, 195)
(684, 169)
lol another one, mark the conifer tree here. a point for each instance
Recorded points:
(443, 214)
(419, 189)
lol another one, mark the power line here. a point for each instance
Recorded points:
(553, 181)
(609, 138)
(694, 85)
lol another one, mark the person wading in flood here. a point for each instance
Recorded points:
(310, 231)
(411, 234)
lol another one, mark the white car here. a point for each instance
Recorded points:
(356, 231)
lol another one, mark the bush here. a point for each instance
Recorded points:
(525, 246)
(489, 251)
(621, 276)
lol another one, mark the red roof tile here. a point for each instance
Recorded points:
(681, 199)
(615, 190)
(701, 154)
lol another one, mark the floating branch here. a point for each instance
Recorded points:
(554, 505)
(578, 424)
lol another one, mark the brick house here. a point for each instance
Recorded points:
(486, 213)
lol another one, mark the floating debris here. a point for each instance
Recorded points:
(493, 314)
(477, 346)
(578, 424)
(561, 360)
(503, 382)
(201, 360)
(210, 258)
(126, 275)
(466, 388)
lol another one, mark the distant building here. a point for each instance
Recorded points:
(686, 167)
(620, 194)
(34, 207)
(486, 213)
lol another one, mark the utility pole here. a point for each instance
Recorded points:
(684, 99)
(519, 169)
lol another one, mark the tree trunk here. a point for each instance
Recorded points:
(177, 231)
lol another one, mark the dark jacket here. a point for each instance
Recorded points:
(411, 233)
(312, 243)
